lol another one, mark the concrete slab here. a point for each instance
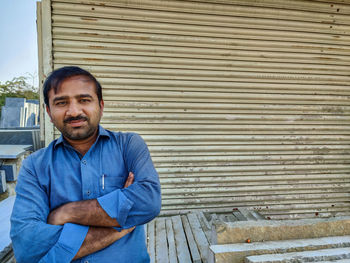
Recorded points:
(13, 151)
(306, 256)
(16, 137)
(235, 253)
(6, 210)
(270, 230)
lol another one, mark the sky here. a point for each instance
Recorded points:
(18, 43)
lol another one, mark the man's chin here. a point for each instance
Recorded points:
(78, 133)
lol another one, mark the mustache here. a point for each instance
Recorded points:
(80, 117)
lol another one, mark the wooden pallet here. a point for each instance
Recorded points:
(186, 238)
(178, 239)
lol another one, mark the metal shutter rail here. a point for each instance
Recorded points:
(241, 103)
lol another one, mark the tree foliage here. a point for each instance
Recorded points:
(17, 88)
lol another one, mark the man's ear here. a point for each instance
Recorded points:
(48, 112)
(102, 105)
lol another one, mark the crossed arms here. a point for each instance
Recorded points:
(90, 213)
(41, 235)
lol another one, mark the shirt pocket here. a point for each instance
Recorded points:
(111, 183)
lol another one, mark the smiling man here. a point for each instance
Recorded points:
(86, 196)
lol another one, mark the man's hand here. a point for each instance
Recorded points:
(87, 212)
(98, 238)
(59, 216)
(129, 180)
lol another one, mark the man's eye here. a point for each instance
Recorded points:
(61, 103)
(84, 100)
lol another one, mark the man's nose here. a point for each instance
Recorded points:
(74, 109)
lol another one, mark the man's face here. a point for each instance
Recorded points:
(75, 109)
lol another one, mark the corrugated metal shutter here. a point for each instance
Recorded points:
(242, 103)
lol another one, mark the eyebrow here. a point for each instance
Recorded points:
(77, 97)
(83, 96)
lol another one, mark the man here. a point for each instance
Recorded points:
(86, 196)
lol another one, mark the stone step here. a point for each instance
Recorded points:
(305, 256)
(273, 230)
(235, 253)
(334, 261)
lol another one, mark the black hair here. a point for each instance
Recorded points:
(57, 76)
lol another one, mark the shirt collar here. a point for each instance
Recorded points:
(101, 133)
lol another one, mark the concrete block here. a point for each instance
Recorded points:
(235, 253)
(3, 185)
(10, 171)
(306, 256)
(15, 102)
(19, 113)
(270, 230)
(11, 117)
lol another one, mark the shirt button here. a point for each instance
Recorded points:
(88, 192)
(84, 162)
(86, 261)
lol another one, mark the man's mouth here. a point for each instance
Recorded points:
(76, 121)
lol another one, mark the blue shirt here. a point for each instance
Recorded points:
(58, 174)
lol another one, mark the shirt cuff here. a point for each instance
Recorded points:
(116, 205)
(68, 244)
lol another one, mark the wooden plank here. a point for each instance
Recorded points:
(205, 225)
(203, 219)
(199, 236)
(246, 213)
(213, 218)
(151, 241)
(171, 241)
(222, 217)
(161, 241)
(183, 254)
(7, 256)
(231, 218)
(239, 216)
(257, 215)
(196, 258)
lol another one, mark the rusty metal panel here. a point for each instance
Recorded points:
(242, 103)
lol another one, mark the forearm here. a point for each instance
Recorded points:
(98, 238)
(87, 212)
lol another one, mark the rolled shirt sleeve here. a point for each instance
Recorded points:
(140, 202)
(71, 238)
(34, 240)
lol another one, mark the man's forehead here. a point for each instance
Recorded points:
(61, 84)
(82, 78)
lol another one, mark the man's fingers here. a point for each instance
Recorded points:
(131, 229)
(129, 180)
(123, 232)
